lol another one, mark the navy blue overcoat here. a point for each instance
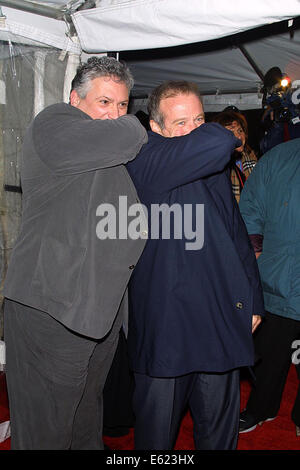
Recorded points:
(191, 309)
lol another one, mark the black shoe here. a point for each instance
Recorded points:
(248, 423)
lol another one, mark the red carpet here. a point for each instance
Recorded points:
(275, 435)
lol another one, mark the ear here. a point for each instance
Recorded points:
(74, 99)
(155, 127)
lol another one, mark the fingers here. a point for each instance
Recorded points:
(256, 320)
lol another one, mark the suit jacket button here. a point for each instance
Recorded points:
(132, 266)
(239, 305)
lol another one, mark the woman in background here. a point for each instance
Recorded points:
(244, 158)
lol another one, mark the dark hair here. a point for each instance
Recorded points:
(100, 67)
(169, 89)
(226, 118)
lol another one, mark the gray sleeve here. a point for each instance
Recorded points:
(69, 143)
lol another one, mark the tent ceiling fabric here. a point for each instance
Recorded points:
(143, 24)
(211, 71)
(217, 71)
(167, 39)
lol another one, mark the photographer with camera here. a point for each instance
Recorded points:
(281, 118)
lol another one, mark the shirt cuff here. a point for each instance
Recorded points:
(257, 242)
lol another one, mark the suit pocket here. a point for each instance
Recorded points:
(57, 272)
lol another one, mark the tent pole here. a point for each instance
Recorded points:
(34, 8)
(251, 62)
(39, 73)
(72, 64)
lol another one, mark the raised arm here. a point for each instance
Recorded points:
(167, 163)
(68, 141)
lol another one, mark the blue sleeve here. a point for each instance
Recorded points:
(166, 163)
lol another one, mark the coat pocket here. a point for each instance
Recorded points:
(57, 272)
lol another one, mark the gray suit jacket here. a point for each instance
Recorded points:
(72, 164)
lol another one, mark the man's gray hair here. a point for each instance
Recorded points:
(100, 67)
(169, 89)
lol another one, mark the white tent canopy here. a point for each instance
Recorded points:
(118, 25)
(171, 38)
(34, 29)
(143, 24)
(164, 33)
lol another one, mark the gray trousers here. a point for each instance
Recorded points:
(55, 380)
(214, 402)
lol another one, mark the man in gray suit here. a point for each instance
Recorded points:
(66, 286)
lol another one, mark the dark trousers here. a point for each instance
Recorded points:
(118, 415)
(159, 404)
(273, 346)
(55, 380)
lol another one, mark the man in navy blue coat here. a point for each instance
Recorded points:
(195, 294)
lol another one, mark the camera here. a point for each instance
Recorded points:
(277, 96)
(281, 117)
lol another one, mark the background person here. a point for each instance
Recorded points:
(65, 288)
(243, 158)
(270, 208)
(191, 310)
